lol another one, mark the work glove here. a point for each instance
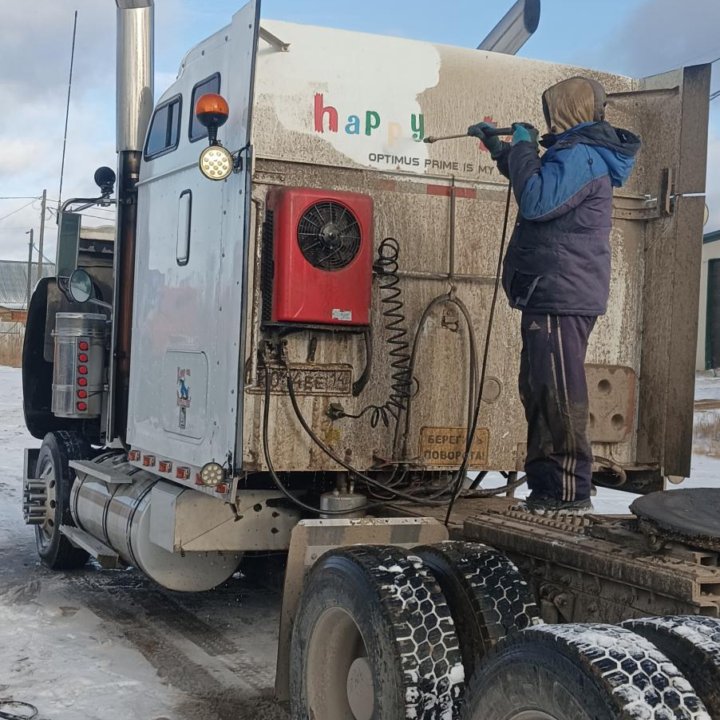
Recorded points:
(524, 132)
(492, 142)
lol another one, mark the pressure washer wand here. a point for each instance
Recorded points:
(490, 132)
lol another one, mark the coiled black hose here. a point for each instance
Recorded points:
(401, 383)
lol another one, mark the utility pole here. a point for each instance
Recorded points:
(43, 206)
(30, 254)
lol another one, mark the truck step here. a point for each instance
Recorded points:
(105, 555)
(101, 473)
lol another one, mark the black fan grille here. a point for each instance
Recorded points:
(329, 235)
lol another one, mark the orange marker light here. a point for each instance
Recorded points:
(212, 109)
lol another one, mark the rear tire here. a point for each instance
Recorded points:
(693, 644)
(57, 449)
(373, 638)
(580, 672)
(488, 597)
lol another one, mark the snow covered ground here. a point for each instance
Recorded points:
(106, 645)
(110, 645)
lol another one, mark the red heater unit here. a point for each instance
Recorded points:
(321, 245)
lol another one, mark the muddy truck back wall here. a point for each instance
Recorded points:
(283, 350)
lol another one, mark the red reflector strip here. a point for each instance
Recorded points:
(448, 190)
(82, 382)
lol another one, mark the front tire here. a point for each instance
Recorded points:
(57, 449)
(580, 672)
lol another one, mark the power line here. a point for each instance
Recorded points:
(19, 209)
(20, 197)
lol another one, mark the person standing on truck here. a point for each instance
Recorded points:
(557, 273)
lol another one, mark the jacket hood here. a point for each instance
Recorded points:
(616, 146)
(573, 101)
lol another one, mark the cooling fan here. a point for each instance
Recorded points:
(329, 235)
(321, 245)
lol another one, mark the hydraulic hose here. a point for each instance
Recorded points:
(486, 351)
(472, 351)
(276, 479)
(334, 456)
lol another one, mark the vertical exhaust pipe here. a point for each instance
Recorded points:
(135, 69)
(515, 29)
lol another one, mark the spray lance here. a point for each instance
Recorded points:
(489, 132)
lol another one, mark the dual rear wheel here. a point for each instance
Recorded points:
(451, 631)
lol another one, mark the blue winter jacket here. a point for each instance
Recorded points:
(558, 259)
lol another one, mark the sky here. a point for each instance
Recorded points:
(629, 37)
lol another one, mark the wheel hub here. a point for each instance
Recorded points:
(360, 693)
(39, 500)
(339, 675)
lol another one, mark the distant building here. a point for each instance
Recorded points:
(14, 291)
(14, 282)
(13, 306)
(708, 345)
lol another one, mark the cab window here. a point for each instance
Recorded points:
(164, 132)
(208, 85)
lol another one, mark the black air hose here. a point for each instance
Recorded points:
(386, 268)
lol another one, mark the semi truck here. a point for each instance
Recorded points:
(295, 343)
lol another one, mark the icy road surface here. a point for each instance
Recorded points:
(111, 645)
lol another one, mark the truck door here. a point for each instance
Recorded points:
(191, 260)
(663, 227)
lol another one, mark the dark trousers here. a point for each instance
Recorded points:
(553, 390)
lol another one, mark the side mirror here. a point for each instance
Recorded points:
(80, 289)
(79, 286)
(216, 162)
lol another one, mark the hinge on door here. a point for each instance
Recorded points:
(661, 205)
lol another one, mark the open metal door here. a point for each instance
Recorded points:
(670, 112)
(191, 268)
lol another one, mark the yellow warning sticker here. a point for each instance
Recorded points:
(445, 446)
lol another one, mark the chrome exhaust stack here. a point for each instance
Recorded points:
(135, 97)
(135, 68)
(515, 29)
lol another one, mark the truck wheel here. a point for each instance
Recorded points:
(580, 672)
(57, 449)
(488, 597)
(693, 644)
(373, 638)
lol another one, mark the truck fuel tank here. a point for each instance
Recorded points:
(118, 514)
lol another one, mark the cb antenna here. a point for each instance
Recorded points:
(67, 110)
